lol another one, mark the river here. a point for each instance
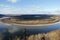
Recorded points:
(38, 29)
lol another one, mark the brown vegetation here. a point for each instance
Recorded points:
(54, 35)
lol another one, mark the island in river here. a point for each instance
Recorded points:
(31, 20)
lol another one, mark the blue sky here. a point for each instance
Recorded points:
(29, 6)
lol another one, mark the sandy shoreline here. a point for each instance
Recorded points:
(45, 22)
(38, 24)
(32, 25)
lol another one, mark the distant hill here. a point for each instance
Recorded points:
(28, 17)
(1, 15)
(33, 17)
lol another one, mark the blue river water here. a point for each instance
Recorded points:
(36, 29)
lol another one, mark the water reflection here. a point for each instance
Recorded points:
(14, 32)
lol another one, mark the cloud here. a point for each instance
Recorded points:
(13, 1)
(28, 10)
(40, 11)
(4, 6)
(5, 9)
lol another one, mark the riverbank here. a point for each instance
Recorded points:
(54, 35)
(38, 24)
(44, 22)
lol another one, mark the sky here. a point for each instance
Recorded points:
(30, 7)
